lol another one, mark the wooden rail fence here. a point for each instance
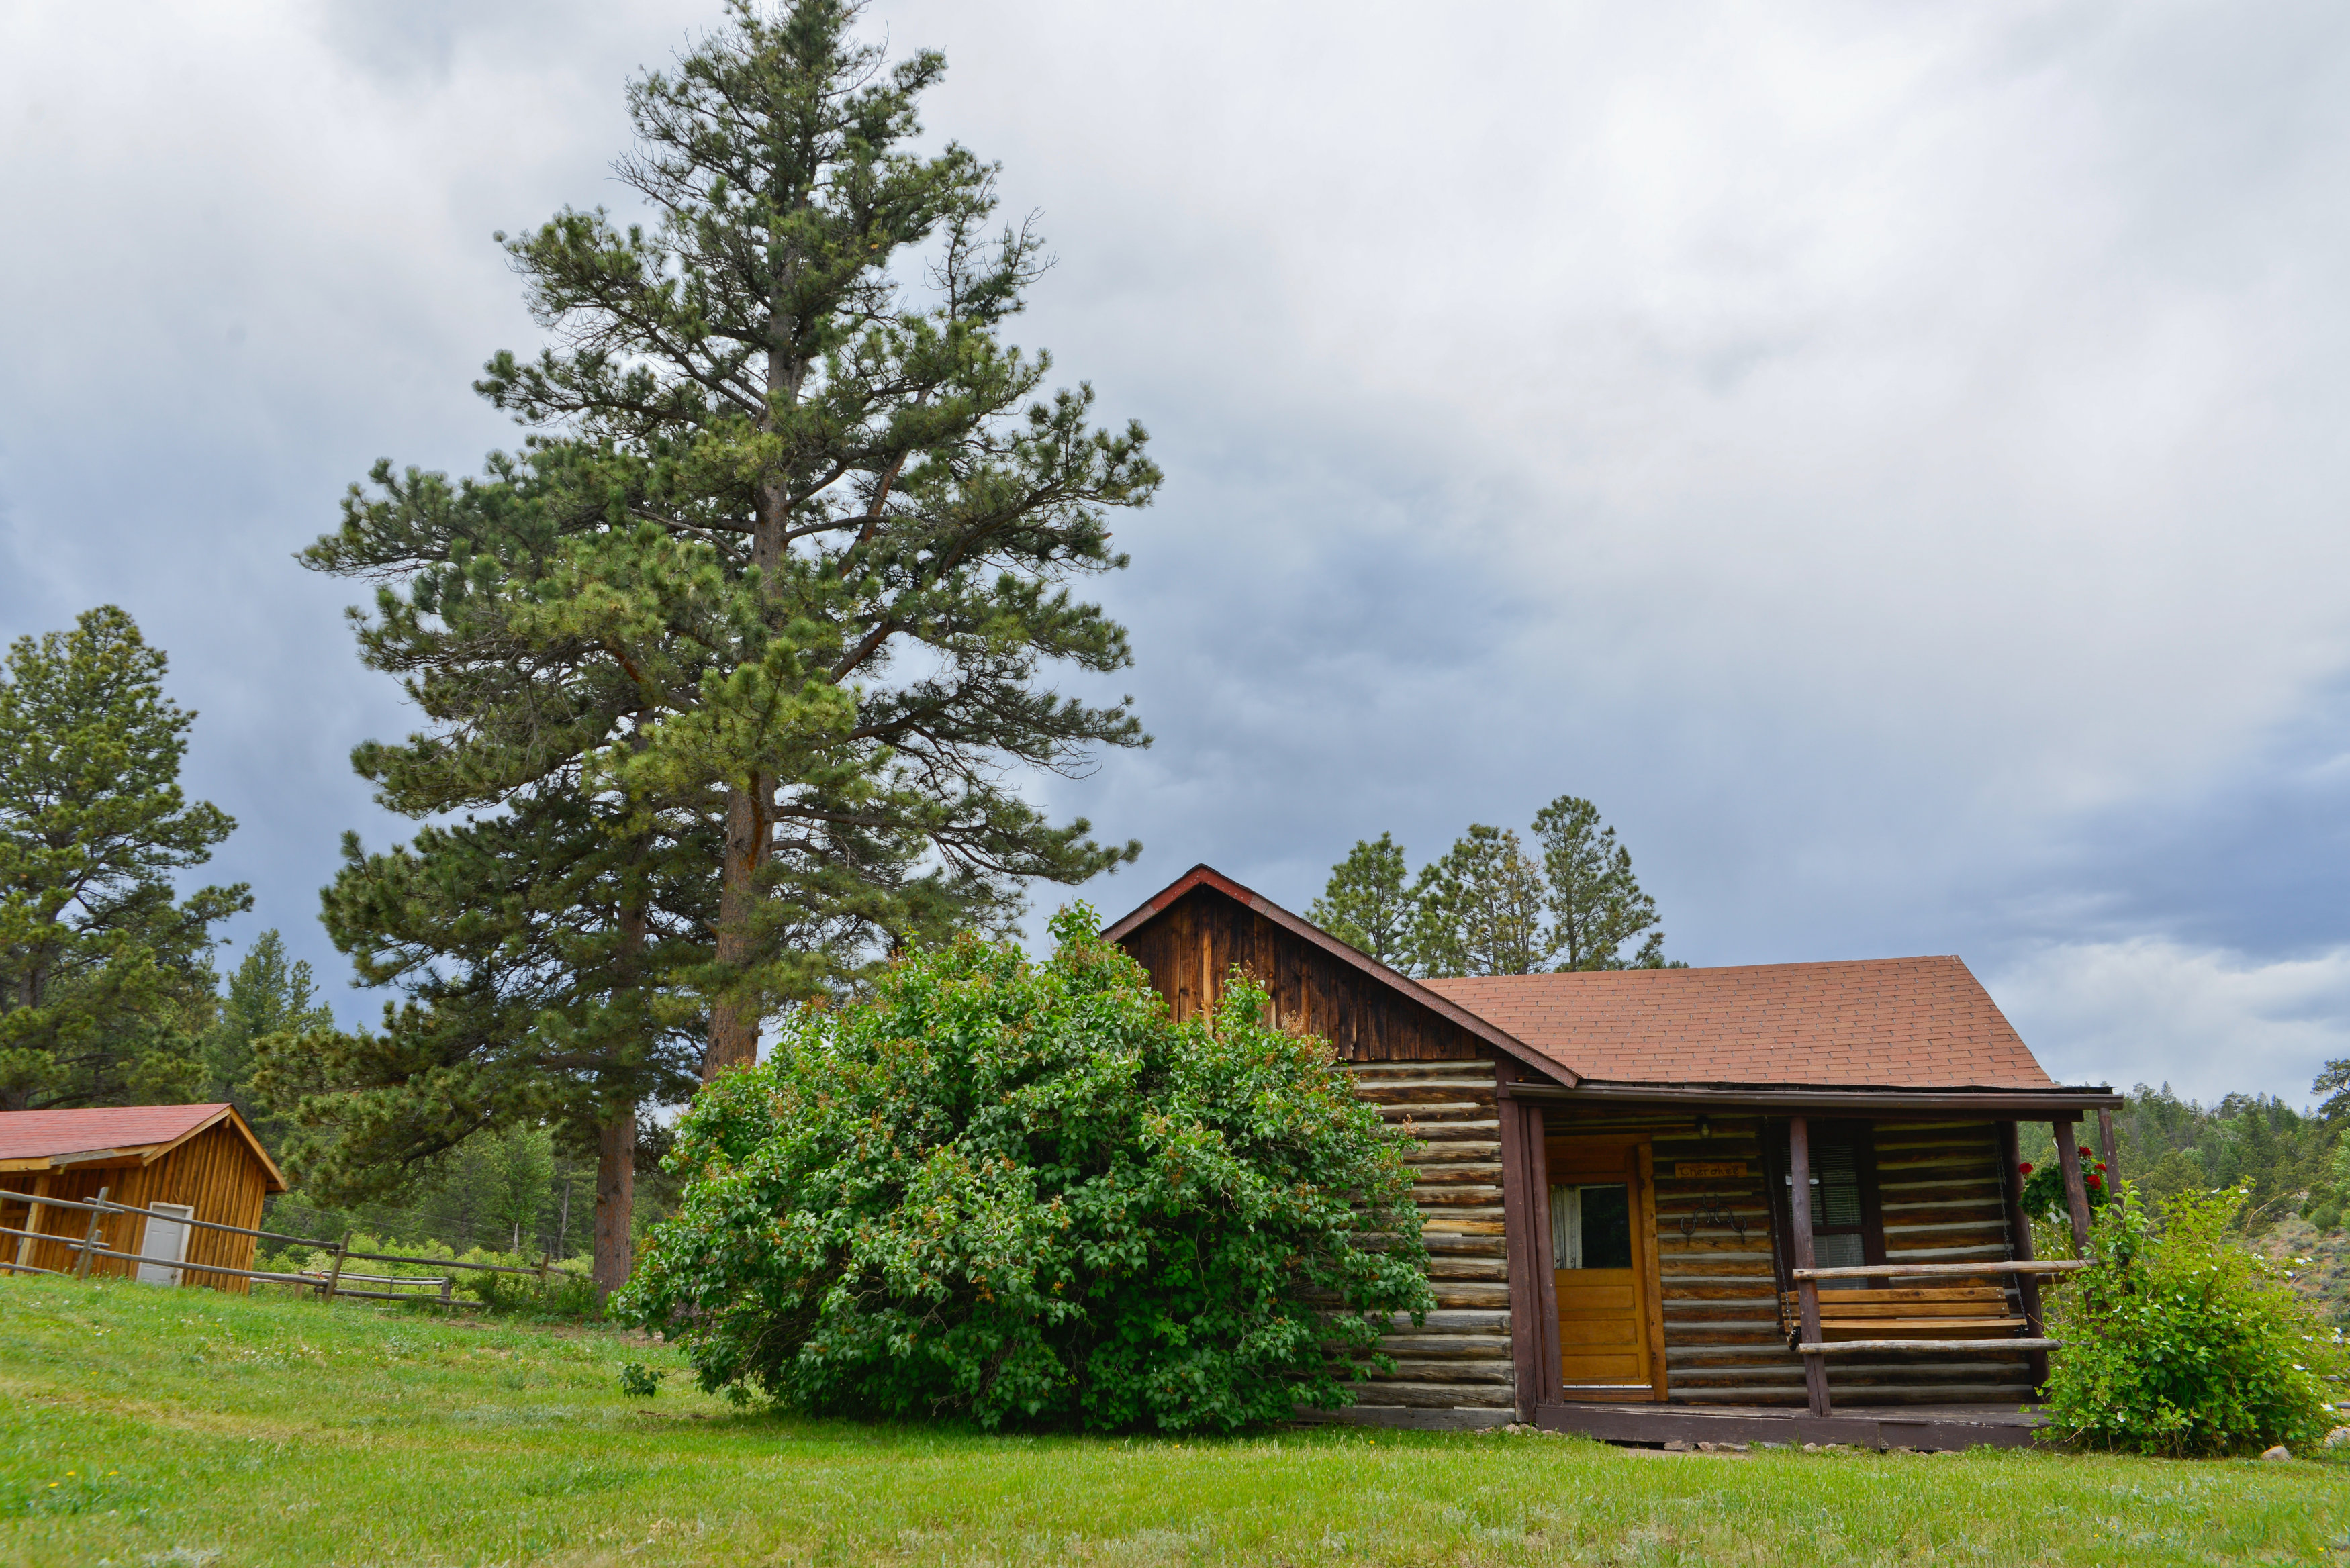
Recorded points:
(327, 1284)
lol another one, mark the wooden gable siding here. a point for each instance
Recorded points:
(1940, 1190)
(214, 1173)
(1192, 945)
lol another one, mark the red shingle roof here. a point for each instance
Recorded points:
(32, 1135)
(1912, 1023)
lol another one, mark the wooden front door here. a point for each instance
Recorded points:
(1603, 1228)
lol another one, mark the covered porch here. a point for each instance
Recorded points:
(1684, 1294)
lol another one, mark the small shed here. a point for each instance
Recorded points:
(178, 1162)
(1611, 1170)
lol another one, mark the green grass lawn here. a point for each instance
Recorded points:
(151, 1425)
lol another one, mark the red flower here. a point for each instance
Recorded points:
(2025, 1166)
(2093, 1181)
(2085, 1151)
(2101, 1165)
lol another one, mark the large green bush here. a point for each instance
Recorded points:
(1018, 1193)
(2179, 1342)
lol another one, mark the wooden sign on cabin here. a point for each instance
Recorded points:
(1707, 1170)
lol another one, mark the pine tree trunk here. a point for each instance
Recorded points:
(735, 1027)
(616, 1201)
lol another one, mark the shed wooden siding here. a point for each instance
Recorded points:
(214, 1173)
(1938, 1184)
(1192, 944)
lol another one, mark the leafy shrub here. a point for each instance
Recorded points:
(640, 1381)
(1020, 1194)
(2179, 1342)
(567, 1294)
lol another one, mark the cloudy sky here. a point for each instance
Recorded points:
(1890, 457)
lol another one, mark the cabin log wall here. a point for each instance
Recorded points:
(214, 1173)
(1938, 1187)
(1455, 1369)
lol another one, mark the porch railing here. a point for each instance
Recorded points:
(1813, 1342)
(1807, 1294)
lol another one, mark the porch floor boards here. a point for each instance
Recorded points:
(1857, 1426)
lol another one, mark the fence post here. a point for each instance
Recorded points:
(446, 1281)
(32, 1220)
(335, 1280)
(542, 1279)
(90, 1237)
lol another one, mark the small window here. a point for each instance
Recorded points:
(1846, 1232)
(1838, 1229)
(1591, 1227)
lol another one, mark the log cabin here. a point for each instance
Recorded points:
(177, 1162)
(1606, 1169)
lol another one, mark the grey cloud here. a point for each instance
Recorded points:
(1888, 458)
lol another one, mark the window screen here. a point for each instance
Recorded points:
(1591, 1227)
(1836, 1199)
(1839, 1219)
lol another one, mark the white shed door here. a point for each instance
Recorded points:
(166, 1243)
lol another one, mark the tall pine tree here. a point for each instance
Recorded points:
(738, 661)
(105, 983)
(1488, 906)
(266, 993)
(539, 955)
(1479, 909)
(820, 521)
(1596, 904)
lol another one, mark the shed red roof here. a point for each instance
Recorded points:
(1912, 1023)
(28, 1134)
(31, 1136)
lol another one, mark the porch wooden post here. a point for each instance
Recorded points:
(2018, 1234)
(2077, 1195)
(2105, 1149)
(1525, 1222)
(1807, 1292)
(1549, 1389)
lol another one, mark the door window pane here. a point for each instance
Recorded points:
(1591, 1227)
